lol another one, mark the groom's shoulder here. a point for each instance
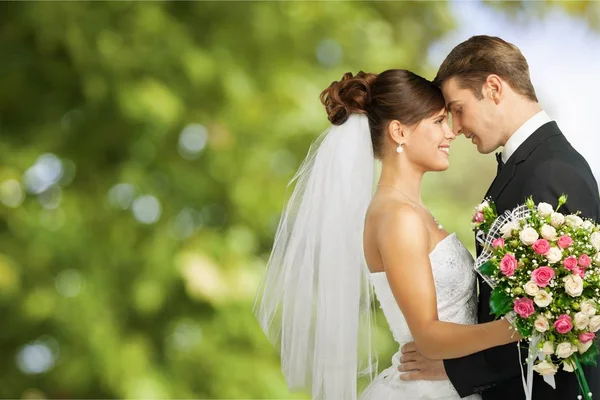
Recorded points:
(556, 149)
(556, 159)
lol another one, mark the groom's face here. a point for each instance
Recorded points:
(472, 117)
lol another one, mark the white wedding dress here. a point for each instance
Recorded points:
(454, 277)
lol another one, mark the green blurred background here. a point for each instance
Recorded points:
(145, 149)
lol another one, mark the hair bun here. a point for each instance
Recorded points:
(351, 95)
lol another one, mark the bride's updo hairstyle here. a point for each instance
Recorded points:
(395, 94)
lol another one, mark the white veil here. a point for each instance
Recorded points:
(314, 302)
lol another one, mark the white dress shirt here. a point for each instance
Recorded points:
(521, 134)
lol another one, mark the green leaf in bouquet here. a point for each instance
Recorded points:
(500, 302)
(493, 207)
(590, 356)
(488, 268)
(523, 327)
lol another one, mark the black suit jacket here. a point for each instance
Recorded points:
(544, 166)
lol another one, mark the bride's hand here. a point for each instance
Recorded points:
(416, 367)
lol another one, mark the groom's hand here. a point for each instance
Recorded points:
(415, 367)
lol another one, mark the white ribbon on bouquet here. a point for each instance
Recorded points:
(534, 354)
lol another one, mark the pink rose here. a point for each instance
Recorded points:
(541, 246)
(498, 243)
(584, 261)
(478, 217)
(524, 307)
(579, 271)
(508, 264)
(570, 263)
(586, 337)
(565, 241)
(542, 276)
(563, 324)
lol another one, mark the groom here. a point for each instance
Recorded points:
(487, 88)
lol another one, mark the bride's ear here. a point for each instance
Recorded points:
(397, 132)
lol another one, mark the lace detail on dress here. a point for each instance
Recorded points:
(454, 277)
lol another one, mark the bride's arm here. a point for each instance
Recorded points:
(403, 242)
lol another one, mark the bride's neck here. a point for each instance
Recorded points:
(402, 176)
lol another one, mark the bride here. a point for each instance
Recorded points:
(336, 241)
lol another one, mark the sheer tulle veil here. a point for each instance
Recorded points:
(315, 300)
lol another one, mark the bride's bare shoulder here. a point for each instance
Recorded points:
(386, 207)
(391, 213)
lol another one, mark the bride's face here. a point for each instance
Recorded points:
(429, 143)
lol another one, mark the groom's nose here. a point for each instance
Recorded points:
(457, 129)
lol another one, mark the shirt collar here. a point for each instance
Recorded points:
(521, 134)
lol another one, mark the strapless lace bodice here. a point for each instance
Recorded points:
(454, 277)
(455, 288)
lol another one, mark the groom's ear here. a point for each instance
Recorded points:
(397, 132)
(493, 88)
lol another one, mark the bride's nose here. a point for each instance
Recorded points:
(449, 134)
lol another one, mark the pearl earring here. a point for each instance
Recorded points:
(399, 149)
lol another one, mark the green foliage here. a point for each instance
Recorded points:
(590, 356)
(500, 302)
(487, 268)
(163, 309)
(524, 327)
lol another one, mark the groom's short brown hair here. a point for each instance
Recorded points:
(472, 61)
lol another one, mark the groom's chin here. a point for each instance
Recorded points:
(484, 150)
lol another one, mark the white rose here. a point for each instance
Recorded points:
(573, 285)
(531, 288)
(545, 209)
(595, 323)
(543, 299)
(528, 236)
(482, 206)
(548, 232)
(548, 348)
(583, 347)
(557, 219)
(588, 225)
(569, 366)
(507, 229)
(581, 321)
(597, 258)
(588, 308)
(595, 240)
(554, 255)
(573, 221)
(545, 368)
(565, 349)
(541, 324)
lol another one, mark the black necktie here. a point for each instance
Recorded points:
(500, 162)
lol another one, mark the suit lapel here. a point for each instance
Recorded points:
(543, 133)
(502, 179)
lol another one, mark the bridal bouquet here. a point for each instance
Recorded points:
(544, 268)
